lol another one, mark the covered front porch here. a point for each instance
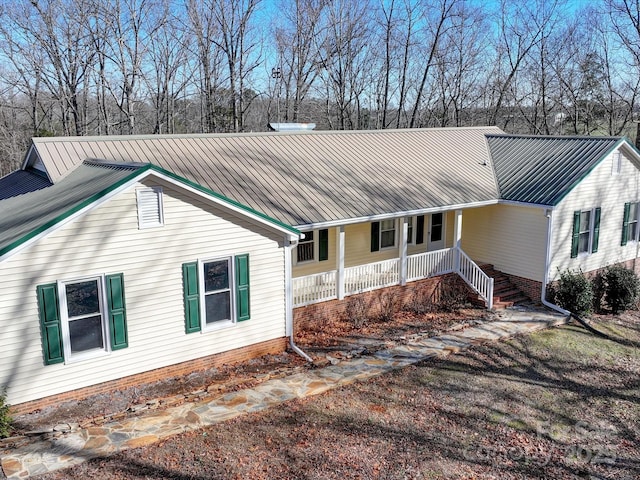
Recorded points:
(400, 242)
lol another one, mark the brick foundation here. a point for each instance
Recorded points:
(531, 288)
(275, 346)
(320, 313)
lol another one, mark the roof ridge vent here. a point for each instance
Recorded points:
(98, 162)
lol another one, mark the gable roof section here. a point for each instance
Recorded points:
(309, 178)
(21, 182)
(543, 170)
(24, 217)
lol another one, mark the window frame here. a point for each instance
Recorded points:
(69, 356)
(219, 324)
(395, 234)
(629, 223)
(314, 242)
(593, 231)
(412, 227)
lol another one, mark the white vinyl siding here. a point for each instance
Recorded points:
(610, 193)
(107, 240)
(510, 237)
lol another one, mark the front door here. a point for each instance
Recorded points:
(435, 236)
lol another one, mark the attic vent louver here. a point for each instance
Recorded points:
(150, 213)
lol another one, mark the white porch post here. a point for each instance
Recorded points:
(404, 232)
(340, 261)
(457, 237)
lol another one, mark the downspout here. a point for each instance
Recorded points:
(543, 299)
(288, 295)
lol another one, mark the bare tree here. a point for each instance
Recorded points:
(298, 34)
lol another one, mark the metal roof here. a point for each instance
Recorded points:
(542, 170)
(311, 177)
(21, 182)
(23, 217)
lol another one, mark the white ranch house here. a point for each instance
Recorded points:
(128, 259)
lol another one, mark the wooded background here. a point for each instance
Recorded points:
(106, 67)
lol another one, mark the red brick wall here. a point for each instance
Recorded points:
(320, 313)
(275, 346)
(530, 288)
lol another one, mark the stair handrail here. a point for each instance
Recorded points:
(479, 281)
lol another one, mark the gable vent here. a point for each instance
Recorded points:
(150, 207)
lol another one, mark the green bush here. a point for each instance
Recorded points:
(5, 418)
(574, 292)
(620, 288)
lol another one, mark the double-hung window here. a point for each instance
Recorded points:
(314, 245)
(216, 292)
(387, 233)
(383, 234)
(630, 231)
(306, 248)
(82, 318)
(586, 231)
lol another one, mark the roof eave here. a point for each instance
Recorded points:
(393, 215)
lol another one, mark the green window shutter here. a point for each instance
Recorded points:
(596, 231)
(375, 236)
(420, 230)
(242, 288)
(117, 311)
(575, 238)
(191, 297)
(323, 244)
(49, 309)
(625, 224)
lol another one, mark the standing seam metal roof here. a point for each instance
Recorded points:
(21, 218)
(311, 177)
(543, 170)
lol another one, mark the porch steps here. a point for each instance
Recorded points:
(505, 293)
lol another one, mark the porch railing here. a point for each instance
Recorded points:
(362, 278)
(319, 287)
(431, 264)
(370, 276)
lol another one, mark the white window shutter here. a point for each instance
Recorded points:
(150, 212)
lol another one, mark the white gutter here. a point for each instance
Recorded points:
(288, 295)
(543, 299)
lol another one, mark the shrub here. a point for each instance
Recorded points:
(389, 304)
(450, 295)
(421, 300)
(574, 292)
(5, 418)
(619, 288)
(357, 310)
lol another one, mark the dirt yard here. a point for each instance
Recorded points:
(561, 404)
(334, 339)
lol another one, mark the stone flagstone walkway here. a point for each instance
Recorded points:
(65, 449)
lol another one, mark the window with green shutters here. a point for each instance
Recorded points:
(82, 318)
(630, 229)
(585, 232)
(216, 292)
